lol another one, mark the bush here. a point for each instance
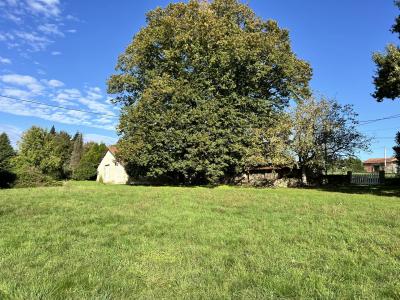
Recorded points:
(27, 176)
(7, 179)
(87, 167)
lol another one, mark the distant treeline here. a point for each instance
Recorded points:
(46, 157)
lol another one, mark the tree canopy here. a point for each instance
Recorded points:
(6, 151)
(396, 148)
(6, 154)
(324, 132)
(92, 155)
(387, 78)
(199, 85)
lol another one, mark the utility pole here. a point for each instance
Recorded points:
(385, 159)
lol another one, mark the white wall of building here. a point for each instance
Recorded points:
(111, 171)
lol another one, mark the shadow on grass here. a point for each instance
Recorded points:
(377, 190)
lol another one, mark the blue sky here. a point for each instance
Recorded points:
(62, 52)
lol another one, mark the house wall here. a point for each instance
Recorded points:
(390, 167)
(111, 171)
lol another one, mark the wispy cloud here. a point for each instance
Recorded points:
(31, 39)
(29, 82)
(33, 24)
(91, 137)
(54, 83)
(14, 133)
(5, 61)
(94, 110)
(50, 29)
(55, 53)
(48, 8)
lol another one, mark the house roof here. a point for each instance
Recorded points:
(380, 160)
(113, 149)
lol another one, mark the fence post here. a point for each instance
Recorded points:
(381, 177)
(349, 174)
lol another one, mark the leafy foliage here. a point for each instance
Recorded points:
(397, 148)
(353, 164)
(324, 132)
(45, 151)
(91, 158)
(387, 78)
(29, 176)
(199, 86)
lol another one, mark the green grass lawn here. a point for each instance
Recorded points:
(86, 240)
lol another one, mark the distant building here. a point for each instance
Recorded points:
(374, 165)
(111, 170)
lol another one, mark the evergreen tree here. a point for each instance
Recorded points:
(199, 85)
(397, 149)
(91, 158)
(53, 130)
(77, 151)
(6, 154)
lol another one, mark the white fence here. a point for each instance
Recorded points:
(366, 179)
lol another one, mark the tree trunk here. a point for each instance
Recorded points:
(303, 175)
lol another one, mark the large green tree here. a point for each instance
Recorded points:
(387, 78)
(324, 132)
(6, 154)
(198, 86)
(48, 152)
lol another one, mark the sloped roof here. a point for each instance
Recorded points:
(380, 160)
(113, 149)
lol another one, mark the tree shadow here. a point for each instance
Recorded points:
(377, 190)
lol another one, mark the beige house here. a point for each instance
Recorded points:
(110, 170)
(374, 165)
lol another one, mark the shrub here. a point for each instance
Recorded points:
(7, 179)
(27, 176)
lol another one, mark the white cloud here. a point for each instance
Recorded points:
(55, 53)
(14, 133)
(29, 82)
(12, 92)
(12, 17)
(87, 107)
(50, 29)
(41, 72)
(48, 8)
(92, 137)
(5, 61)
(71, 18)
(33, 40)
(54, 83)
(31, 23)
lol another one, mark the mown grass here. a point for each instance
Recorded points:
(86, 240)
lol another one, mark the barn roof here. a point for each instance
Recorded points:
(113, 149)
(380, 160)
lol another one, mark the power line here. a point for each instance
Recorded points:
(56, 106)
(382, 129)
(366, 122)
